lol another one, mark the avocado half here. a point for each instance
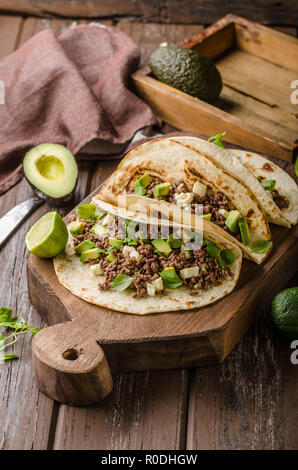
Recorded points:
(52, 171)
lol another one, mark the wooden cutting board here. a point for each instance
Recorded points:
(75, 358)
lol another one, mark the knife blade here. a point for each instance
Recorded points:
(14, 218)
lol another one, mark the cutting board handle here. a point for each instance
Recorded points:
(69, 366)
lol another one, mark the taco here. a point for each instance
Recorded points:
(280, 187)
(174, 172)
(280, 205)
(122, 260)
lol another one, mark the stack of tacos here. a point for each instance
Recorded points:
(168, 229)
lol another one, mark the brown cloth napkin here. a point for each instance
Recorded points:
(68, 90)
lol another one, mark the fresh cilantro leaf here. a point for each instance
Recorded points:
(121, 282)
(261, 246)
(216, 139)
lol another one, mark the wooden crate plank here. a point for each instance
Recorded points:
(284, 12)
(9, 31)
(253, 76)
(248, 402)
(144, 411)
(270, 121)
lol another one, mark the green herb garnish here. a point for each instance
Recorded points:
(261, 246)
(204, 269)
(15, 326)
(170, 279)
(216, 139)
(87, 212)
(99, 215)
(213, 250)
(226, 258)
(121, 282)
(269, 185)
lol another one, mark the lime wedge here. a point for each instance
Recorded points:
(48, 236)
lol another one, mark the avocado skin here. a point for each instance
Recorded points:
(188, 71)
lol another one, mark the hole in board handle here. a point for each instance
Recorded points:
(70, 354)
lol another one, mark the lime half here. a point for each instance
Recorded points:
(48, 236)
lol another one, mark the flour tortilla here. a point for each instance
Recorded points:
(285, 185)
(78, 278)
(173, 161)
(228, 160)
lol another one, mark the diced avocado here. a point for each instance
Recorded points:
(84, 246)
(94, 253)
(141, 184)
(52, 171)
(86, 212)
(187, 70)
(115, 243)
(170, 268)
(207, 216)
(244, 230)
(174, 242)
(162, 246)
(99, 230)
(110, 258)
(76, 228)
(161, 189)
(232, 221)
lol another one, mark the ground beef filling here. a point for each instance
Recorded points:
(151, 264)
(212, 202)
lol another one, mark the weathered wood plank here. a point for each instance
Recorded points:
(144, 411)
(9, 30)
(248, 402)
(284, 12)
(149, 35)
(30, 424)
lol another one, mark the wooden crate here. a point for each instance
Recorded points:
(258, 66)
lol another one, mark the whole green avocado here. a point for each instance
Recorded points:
(188, 71)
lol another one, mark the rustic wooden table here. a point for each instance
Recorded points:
(248, 402)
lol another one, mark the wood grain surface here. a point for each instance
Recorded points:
(284, 12)
(248, 402)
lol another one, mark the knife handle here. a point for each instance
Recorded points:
(11, 221)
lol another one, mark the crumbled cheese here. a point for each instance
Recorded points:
(187, 273)
(96, 269)
(186, 251)
(158, 284)
(150, 289)
(107, 220)
(127, 250)
(135, 254)
(183, 199)
(223, 212)
(199, 189)
(186, 237)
